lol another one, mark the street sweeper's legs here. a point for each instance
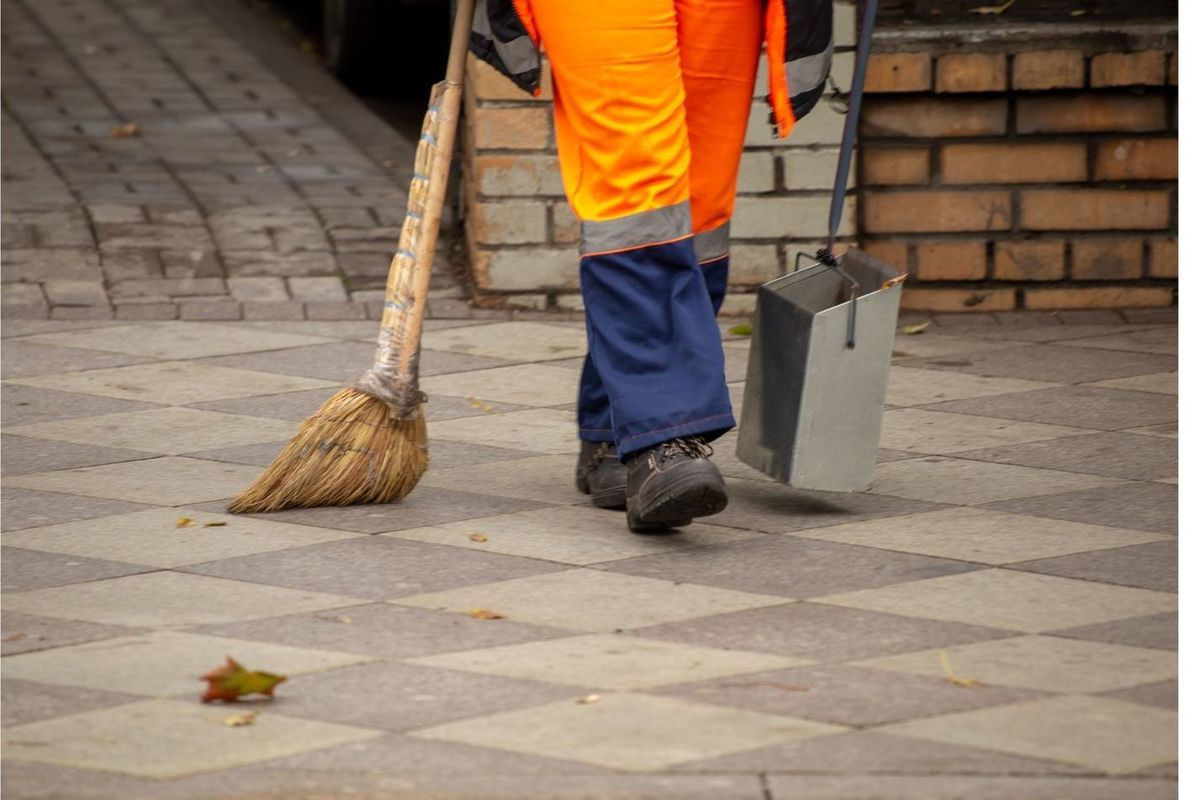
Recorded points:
(651, 99)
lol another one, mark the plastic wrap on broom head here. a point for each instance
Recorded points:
(391, 381)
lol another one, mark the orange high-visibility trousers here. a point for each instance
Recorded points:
(651, 100)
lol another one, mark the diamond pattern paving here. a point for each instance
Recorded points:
(1019, 533)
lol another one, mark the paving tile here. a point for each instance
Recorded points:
(345, 361)
(577, 535)
(1001, 598)
(154, 537)
(1157, 382)
(788, 566)
(175, 340)
(1081, 406)
(939, 345)
(444, 454)
(1156, 630)
(363, 330)
(1056, 332)
(540, 430)
(908, 386)
(27, 508)
(979, 535)
(876, 755)
(25, 405)
(842, 695)
(608, 662)
(292, 406)
(370, 629)
(523, 384)
(925, 431)
(22, 455)
(1050, 362)
(819, 632)
(164, 663)
(955, 480)
(1148, 566)
(174, 382)
(774, 508)
(401, 697)
(26, 633)
(1117, 455)
(259, 455)
(29, 327)
(26, 701)
(1139, 506)
(24, 358)
(593, 601)
(1164, 341)
(519, 341)
(164, 738)
(1163, 695)
(628, 732)
(792, 787)
(547, 479)
(1108, 735)
(157, 599)
(1168, 430)
(440, 407)
(1045, 663)
(371, 567)
(169, 431)
(31, 569)
(160, 481)
(427, 505)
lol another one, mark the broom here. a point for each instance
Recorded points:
(367, 443)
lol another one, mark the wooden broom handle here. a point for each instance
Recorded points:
(460, 37)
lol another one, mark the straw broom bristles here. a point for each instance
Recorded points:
(351, 451)
(367, 443)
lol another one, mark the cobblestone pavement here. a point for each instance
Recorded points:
(155, 170)
(994, 619)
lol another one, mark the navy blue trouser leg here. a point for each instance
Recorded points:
(655, 369)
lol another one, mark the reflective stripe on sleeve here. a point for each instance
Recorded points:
(808, 72)
(712, 244)
(667, 224)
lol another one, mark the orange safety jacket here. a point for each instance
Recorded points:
(798, 34)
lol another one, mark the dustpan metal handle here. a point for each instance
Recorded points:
(854, 106)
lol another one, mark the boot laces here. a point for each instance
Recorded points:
(599, 454)
(687, 447)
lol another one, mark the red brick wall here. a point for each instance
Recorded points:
(1040, 179)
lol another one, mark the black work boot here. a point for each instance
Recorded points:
(601, 474)
(671, 483)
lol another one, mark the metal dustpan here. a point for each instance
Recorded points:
(820, 352)
(817, 375)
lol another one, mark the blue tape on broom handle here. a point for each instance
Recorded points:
(851, 126)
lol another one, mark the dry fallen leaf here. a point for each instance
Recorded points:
(238, 720)
(233, 681)
(589, 699)
(479, 404)
(90, 49)
(976, 298)
(485, 613)
(262, 168)
(968, 683)
(334, 618)
(124, 131)
(1000, 9)
(215, 524)
(184, 522)
(890, 282)
(742, 329)
(477, 537)
(913, 330)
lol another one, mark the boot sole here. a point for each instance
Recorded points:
(612, 499)
(676, 506)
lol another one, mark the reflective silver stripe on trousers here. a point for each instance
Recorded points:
(712, 244)
(646, 227)
(807, 73)
(519, 55)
